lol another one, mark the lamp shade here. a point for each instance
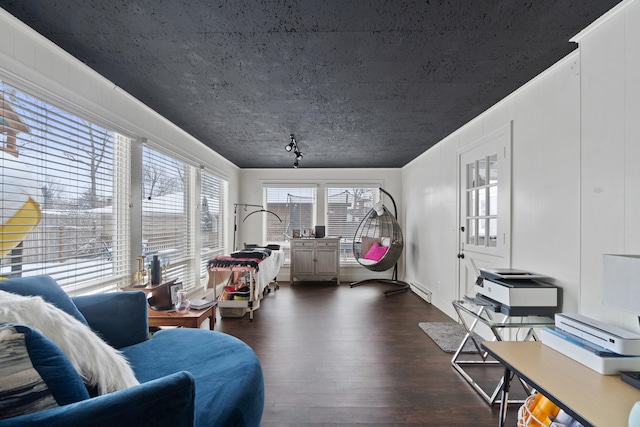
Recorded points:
(621, 282)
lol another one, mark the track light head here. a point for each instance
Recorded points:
(293, 146)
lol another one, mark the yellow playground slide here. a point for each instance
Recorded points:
(19, 211)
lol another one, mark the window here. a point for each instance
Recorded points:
(165, 214)
(58, 206)
(65, 191)
(212, 221)
(296, 208)
(482, 201)
(346, 207)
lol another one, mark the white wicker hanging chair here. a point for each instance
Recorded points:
(380, 228)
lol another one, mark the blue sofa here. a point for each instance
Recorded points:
(187, 376)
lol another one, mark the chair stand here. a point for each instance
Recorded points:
(402, 286)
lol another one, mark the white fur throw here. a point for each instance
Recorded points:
(99, 364)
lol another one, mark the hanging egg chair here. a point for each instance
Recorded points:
(378, 244)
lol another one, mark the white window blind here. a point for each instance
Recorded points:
(346, 207)
(212, 220)
(296, 207)
(58, 207)
(165, 215)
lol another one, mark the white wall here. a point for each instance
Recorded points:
(576, 138)
(253, 180)
(429, 206)
(610, 175)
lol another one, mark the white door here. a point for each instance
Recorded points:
(484, 200)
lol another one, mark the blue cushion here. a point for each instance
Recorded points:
(45, 287)
(34, 373)
(120, 318)
(228, 376)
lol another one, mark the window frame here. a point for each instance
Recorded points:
(206, 252)
(281, 212)
(346, 241)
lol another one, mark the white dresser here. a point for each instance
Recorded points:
(315, 259)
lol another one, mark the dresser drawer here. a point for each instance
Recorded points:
(327, 244)
(303, 243)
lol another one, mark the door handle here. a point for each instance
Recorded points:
(460, 256)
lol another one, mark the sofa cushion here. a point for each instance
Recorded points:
(34, 373)
(45, 287)
(228, 376)
(119, 318)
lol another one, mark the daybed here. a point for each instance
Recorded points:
(187, 376)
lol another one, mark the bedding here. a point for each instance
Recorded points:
(230, 262)
(255, 253)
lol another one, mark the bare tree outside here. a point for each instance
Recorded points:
(159, 180)
(92, 157)
(52, 191)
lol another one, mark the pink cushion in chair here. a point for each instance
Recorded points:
(376, 252)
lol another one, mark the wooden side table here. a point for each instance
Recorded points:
(191, 319)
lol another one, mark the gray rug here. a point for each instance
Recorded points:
(449, 335)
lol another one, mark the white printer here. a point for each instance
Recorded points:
(517, 292)
(612, 338)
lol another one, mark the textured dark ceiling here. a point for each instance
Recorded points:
(361, 83)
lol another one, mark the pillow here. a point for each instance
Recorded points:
(45, 287)
(34, 374)
(367, 242)
(385, 241)
(377, 252)
(100, 365)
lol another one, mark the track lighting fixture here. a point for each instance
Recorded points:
(293, 146)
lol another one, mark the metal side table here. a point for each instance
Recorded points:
(471, 312)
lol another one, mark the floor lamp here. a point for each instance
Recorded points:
(235, 217)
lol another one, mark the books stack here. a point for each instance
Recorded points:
(590, 354)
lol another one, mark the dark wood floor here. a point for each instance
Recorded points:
(340, 356)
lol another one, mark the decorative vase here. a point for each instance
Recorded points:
(182, 304)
